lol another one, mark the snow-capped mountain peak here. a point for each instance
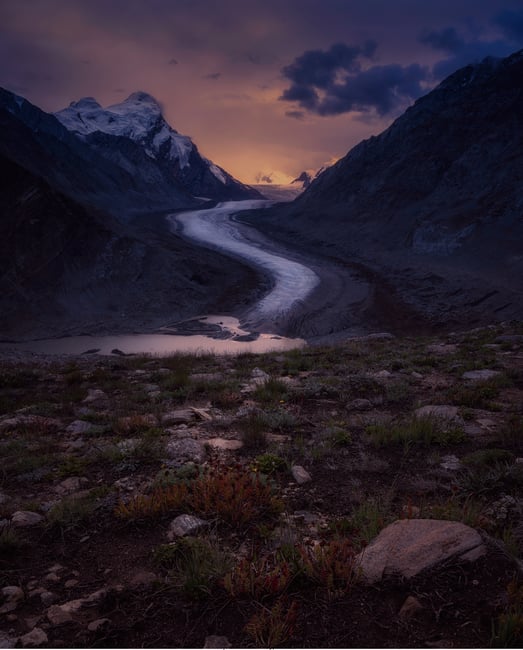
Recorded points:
(139, 118)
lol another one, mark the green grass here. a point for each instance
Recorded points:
(193, 565)
(426, 431)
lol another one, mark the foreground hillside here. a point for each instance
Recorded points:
(166, 501)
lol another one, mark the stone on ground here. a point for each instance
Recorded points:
(409, 546)
(185, 525)
(24, 518)
(300, 474)
(34, 639)
(179, 416)
(11, 597)
(480, 375)
(185, 450)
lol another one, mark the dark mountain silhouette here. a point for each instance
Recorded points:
(435, 203)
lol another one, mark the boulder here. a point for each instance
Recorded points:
(94, 395)
(185, 450)
(25, 518)
(78, 427)
(410, 608)
(56, 615)
(409, 546)
(11, 597)
(34, 639)
(185, 525)
(300, 474)
(438, 411)
(360, 404)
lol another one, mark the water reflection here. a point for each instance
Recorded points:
(223, 336)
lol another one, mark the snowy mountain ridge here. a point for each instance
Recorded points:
(140, 119)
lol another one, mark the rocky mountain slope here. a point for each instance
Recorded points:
(116, 171)
(435, 203)
(68, 268)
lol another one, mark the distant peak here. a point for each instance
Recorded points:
(142, 98)
(85, 102)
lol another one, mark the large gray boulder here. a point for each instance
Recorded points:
(409, 546)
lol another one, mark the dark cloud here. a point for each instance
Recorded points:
(213, 76)
(472, 48)
(333, 82)
(173, 62)
(319, 69)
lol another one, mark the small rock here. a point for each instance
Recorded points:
(185, 525)
(180, 416)
(69, 584)
(3, 498)
(34, 639)
(7, 641)
(128, 445)
(56, 615)
(11, 596)
(48, 598)
(52, 577)
(443, 348)
(410, 608)
(99, 624)
(118, 352)
(202, 414)
(259, 377)
(382, 374)
(416, 375)
(185, 450)
(450, 462)
(360, 405)
(79, 427)
(216, 642)
(93, 395)
(223, 443)
(25, 518)
(480, 375)
(30, 421)
(300, 474)
(70, 485)
(439, 411)
(410, 511)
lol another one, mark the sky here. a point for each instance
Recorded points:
(265, 88)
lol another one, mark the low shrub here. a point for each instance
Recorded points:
(233, 495)
(270, 628)
(194, 565)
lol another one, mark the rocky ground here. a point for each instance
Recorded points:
(368, 494)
